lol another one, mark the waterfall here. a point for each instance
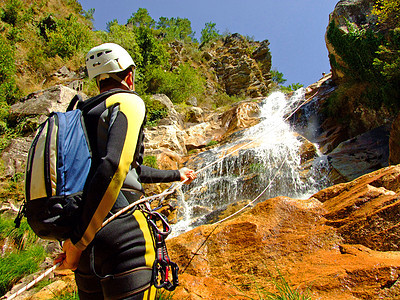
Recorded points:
(265, 154)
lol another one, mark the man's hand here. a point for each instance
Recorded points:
(70, 257)
(187, 175)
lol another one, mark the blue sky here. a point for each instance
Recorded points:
(294, 28)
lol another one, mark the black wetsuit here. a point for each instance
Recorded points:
(122, 252)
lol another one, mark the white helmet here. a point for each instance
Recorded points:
(107, 58)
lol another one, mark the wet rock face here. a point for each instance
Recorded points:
(361, 154)
(342, 243)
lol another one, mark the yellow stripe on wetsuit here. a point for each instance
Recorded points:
(150, 254)
(134, 109)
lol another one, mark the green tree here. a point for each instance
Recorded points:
(89, 14)
(388, 60)
(176, 28)
(277, 77)
(209, 33)
(152, 50)
(141, 18)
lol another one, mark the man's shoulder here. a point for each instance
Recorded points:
(124, 97)
(126, 102)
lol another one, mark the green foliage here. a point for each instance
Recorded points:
(277, 77)
(22, 237)
(141, 18)
(388, 12)
(291, 87)
(9, 91)
(357, 49)
(89, 14)
(369, 58)
(388, 56)
(176, 29)
(24, 261)
(150, 161)
(10, 14)
(155, 111)
(285, 291)
(178, 85)
(15, 265)
(152, 50)
(209, 33)
(164, 295)
(212, 143)
(69, 37)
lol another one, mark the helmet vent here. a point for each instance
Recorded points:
(99, 54)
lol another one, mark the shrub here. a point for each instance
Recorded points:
(69, 38)
(150, 161)
(359, 64)
(155, 111)
(178, 85)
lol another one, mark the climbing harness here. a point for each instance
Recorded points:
(165, 271)
(163, 267)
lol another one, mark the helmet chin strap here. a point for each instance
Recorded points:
(120, 80)
(113, 76)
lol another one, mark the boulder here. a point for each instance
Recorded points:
(44, 102)
(173, 117)
(164, 137)
(15, 155)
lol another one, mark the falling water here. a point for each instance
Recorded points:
(264, 155)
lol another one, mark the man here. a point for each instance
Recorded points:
(115, 262)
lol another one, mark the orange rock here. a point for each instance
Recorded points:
(342, 243)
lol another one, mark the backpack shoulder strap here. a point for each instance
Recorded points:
(76, 99)
(92, 102)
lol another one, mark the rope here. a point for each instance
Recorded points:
(32, 283)
(168, 192)
(251, 202)
(230, 216)
(172, 190)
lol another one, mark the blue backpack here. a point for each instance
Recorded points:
(57, 167)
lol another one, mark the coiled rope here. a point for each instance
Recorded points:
(171, 191)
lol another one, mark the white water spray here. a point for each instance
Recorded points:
(271, 149)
